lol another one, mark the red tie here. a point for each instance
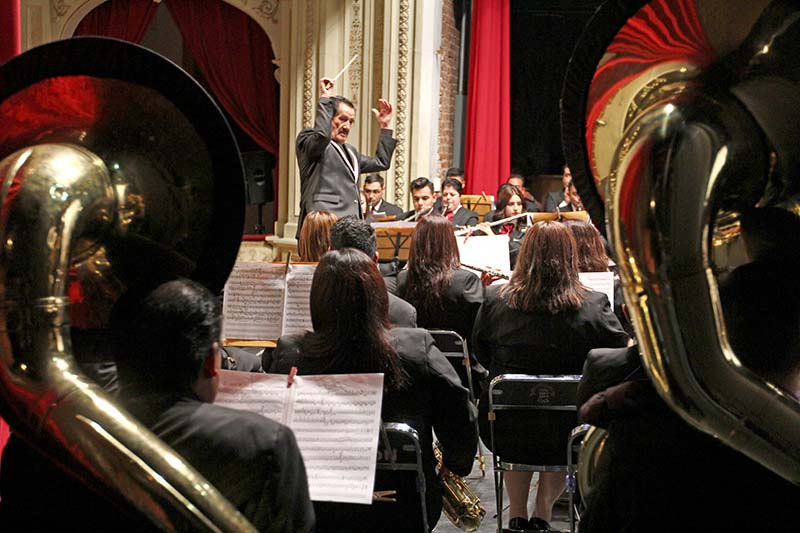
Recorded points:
(449, 215)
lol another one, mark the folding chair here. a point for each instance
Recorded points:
(540, 406)
(399, 450)
(455, 349)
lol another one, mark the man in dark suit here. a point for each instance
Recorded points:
(169, 371)
(374, 189)
(555, 198)
(349, 232)
(518, 181)
(329, 168)
(422, 199)
(457, 214)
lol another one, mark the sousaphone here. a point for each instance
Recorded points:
(118, 171)
(680, 122)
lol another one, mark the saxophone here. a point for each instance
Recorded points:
(461, 505)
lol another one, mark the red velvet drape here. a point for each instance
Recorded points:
(121, 19)
(235, 56)
(488, 135)
(9, 30)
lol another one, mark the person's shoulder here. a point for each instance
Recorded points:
(595, 299)
(390, 208)
(411, 343)
(227, 425)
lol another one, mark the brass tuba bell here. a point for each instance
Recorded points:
(118, 170)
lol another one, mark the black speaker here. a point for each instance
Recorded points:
(258, 167)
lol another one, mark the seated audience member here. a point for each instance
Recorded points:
(349, 232)
(592, 257)
(453, 211)
(444, 295)
(554, 199)
(542, 322)
(531, 204)
(374, 190)
(169, 373)
(351, 335)
(509, 204)
(422, 198)
(315, 237)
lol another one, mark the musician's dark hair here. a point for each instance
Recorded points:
(166, 335)
(315, 237)
(349, 312)
(546, 274)
(350, 232)
(592, 255)
(432, 260)
(374, 178)
(455, 184)
(453, 171)
(342, 100)
(504, 195)
(421, 183)
(515, 176)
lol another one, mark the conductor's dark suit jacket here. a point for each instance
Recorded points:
(328, 182)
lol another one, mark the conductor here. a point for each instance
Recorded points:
(329, 168)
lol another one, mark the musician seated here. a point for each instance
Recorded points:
(555, 198)
(531, 204)
(543, 321)
(422, 198)
(315, 236)
(349, 232)
(572, 200)
(373, 191)
(509, 204)
(458, 215)
(351, 335)
(169, 373)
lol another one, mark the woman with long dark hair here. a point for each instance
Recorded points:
(349, 306)
(445, 296)
(510, 202)
(544, 321)
(592, 257)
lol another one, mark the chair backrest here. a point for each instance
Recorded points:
(399, 450)
(531, 417)
(455, 349)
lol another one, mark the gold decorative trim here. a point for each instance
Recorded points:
(308, 66)
(356, 45)
(402, 82)
(266, 9)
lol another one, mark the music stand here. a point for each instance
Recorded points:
(394, 240)
(480, 203)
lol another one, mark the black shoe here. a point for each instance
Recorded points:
(518, 524)
(538, 524)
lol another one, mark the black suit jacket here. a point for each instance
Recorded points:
(327, 181)
(552, 201)
(252, 460)
(464, 217)
(387, 209)
(401, 313)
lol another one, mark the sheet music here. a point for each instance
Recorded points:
(485, 251)
(253, 303)
(297, 308)
(335, 420)
(600, 282)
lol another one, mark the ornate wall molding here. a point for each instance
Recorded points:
(308, 64)
(265, 9)
(356, 47)
(402, 84)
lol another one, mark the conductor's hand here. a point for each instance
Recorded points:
(325, 87)
(383, 114)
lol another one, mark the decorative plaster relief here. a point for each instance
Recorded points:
(402, 83)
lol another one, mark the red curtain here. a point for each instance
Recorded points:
(121, 19)
(9, 30)
(488, 135)
(235, 56)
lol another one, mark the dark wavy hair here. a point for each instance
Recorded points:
(349, 312)
(504, 195)
(546, 274)
(592, 255)
(431, 262)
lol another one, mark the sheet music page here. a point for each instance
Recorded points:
(484, 251)
(253, 303)
(600, 282)
(335, 420)
(297, 309)
(264, 394)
